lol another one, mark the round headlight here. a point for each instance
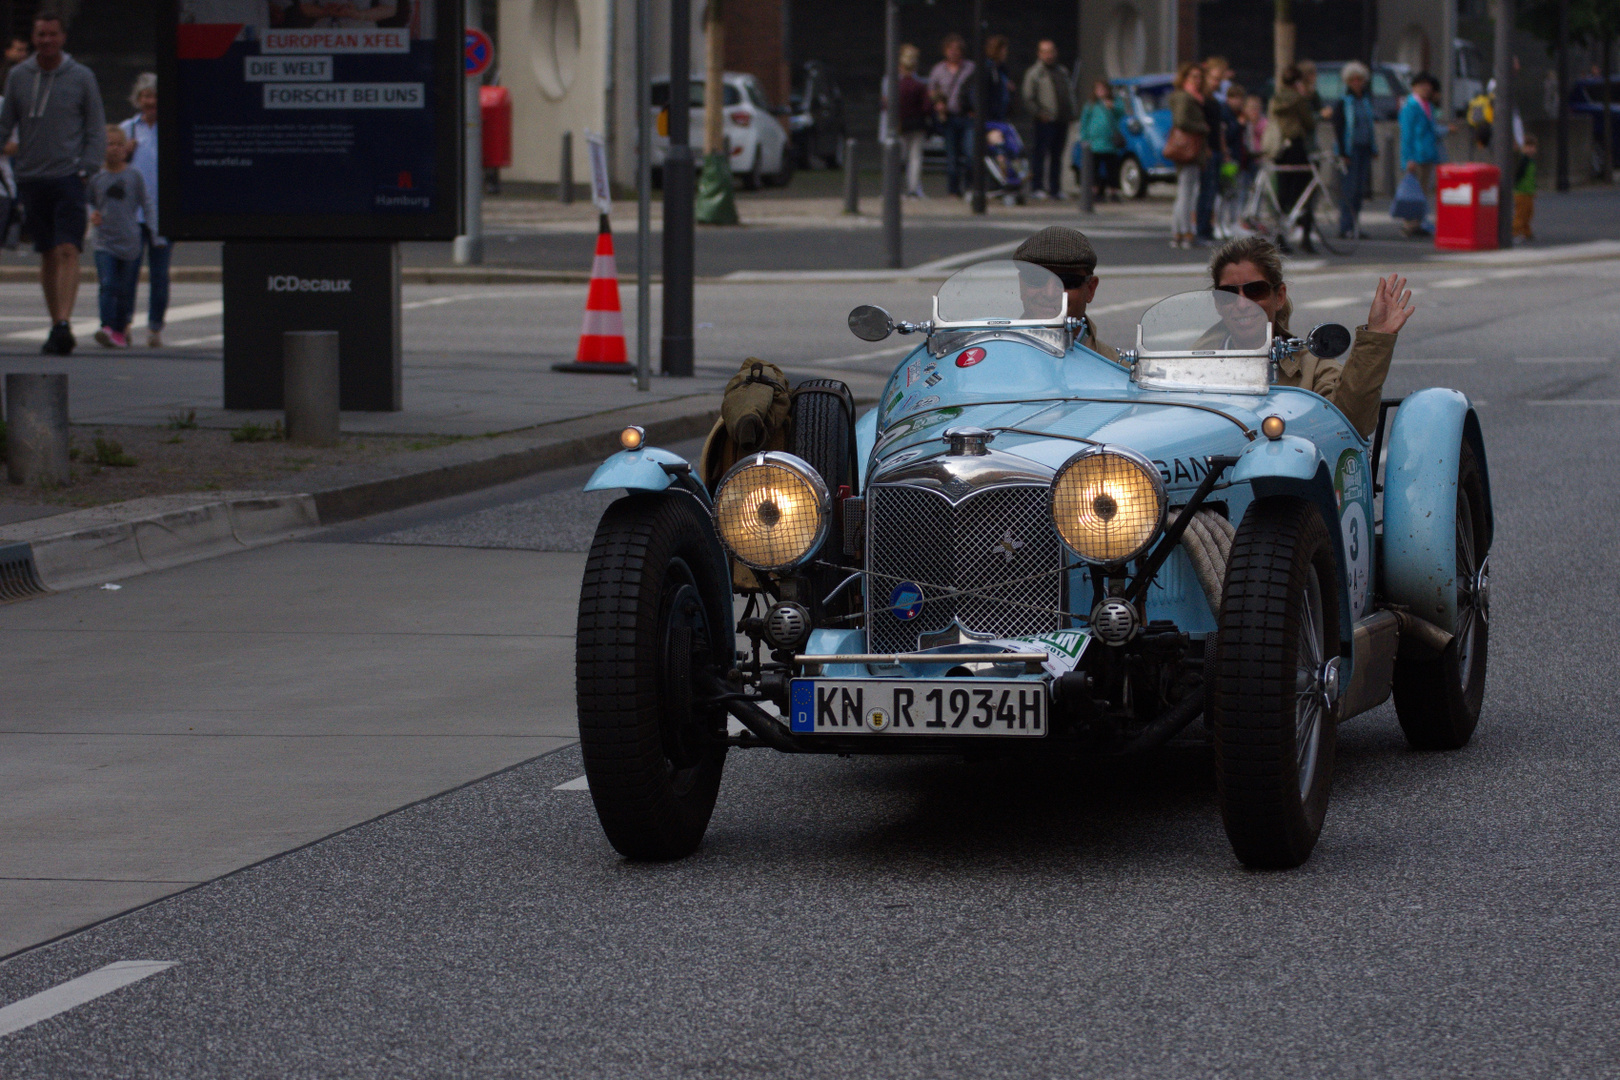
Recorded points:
(772, 511)
(1107, 504)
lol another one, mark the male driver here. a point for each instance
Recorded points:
(1068, 254)
(54, 105)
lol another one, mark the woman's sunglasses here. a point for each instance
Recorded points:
(1254, 290)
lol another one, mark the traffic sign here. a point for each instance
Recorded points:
(480, 52)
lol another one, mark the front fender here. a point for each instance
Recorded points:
(638, 470)
(1294, 467)
(1419, 550)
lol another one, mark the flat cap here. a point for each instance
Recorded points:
(1062, 250)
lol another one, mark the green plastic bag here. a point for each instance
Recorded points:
(715, 203)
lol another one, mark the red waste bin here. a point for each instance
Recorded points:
(1469, 195)
(495, 105)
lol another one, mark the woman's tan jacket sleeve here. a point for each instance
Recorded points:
(1358, 386)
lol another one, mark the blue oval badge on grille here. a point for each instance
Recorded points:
(906, 601)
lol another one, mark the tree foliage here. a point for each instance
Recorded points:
(1591, 22)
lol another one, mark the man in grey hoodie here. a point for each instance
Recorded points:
(53, 104)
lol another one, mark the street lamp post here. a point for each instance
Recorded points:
(1502, 129)
(679, 182)
(891, 144)
(981, 86)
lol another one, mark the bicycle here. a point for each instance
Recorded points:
(1264, 216)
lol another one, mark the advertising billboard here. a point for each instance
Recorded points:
(310, 119)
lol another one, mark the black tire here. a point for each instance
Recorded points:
(1274, 741)
(1438, 700)
(1133, 179)
(753, 178)
(823, 435)
(654, 610)
(784, 175)
(1326, 211)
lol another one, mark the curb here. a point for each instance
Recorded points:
(108, 543)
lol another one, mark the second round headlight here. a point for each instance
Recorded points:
(772, 511)
(1107, 504)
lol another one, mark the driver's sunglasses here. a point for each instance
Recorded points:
(1254, 290)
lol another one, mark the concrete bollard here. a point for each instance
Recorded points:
(310, 386)
(565, 170)
(852, 185)
(37, 428)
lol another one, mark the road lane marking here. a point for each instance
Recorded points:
(75, 992)
(1577, 401)
(1412, 360)
(578, 783)
(1562, 360)
(1457, 283)
(208, 340)
(892, 350)
(1331, 302)
(83, 327)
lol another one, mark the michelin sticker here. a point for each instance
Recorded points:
(1354, 492)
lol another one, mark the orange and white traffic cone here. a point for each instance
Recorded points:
(601, 340)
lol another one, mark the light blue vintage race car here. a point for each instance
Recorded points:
(1028, 549)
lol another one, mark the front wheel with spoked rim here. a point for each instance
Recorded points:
(1274, 685)
(1438, 699)
(654, 619)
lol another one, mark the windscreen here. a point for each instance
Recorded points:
(1204, 321)
(1002, 290)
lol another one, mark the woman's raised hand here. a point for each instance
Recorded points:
(1391, 305)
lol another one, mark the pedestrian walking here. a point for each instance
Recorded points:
(1238, 161)
(1524, 192)
(53, 105)
(119, 195)
(142, 132)
(1293, 111)
(915, 116)
(950, 89)
(1099, 130)
(1209, 180)
(1353, 137)
(1186, 148)
(1421, 148)
(1050, 100)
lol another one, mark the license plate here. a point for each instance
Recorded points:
(918, 707)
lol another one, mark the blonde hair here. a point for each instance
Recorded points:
(1265, 257)
(146, 80)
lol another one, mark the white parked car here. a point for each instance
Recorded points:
(758, 142)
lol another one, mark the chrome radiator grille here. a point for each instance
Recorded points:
(1000, 542)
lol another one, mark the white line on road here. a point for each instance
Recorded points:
(1458, 283)
(183, 313)
(1411, 360)
(1578, 401)
(892, 350)
(578, 783)
(1562, 360)
(1331, 302)
(75, 992)
(206, 340)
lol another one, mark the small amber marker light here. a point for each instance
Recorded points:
(632, 437)
(1273, 427)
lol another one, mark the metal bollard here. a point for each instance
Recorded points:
(565, 170)
(37, 428)
(852, 185)
(309, 361)
(1088, 179)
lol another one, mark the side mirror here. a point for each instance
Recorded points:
(1329, 341)
(870, 323)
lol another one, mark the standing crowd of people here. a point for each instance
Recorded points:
(65, 169)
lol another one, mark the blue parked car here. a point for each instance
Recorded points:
(1146, 99)
(1030, 551)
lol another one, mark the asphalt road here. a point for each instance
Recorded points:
(921, 918)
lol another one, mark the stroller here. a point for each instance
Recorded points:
(1004, 163)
